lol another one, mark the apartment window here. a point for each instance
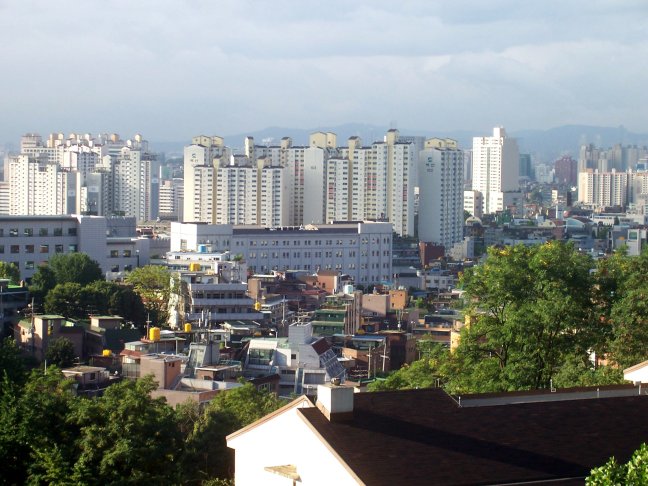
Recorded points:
(1, 231)
(114, 268)
(15, 249)
(1, 248)
(29, 248)
(28, 231)
(43, 232)
(13, 232)
(29, 265)
(72, 248)
(126, 253)
(58, 231)
(72, 231)
(58, 248)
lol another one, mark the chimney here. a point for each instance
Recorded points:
(335, 402)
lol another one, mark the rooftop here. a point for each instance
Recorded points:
(424, 436)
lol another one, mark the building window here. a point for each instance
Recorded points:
(58, 231)
(29, 248)
(114, 268)
(1, 248)
(29, 265)
(28, 231)
(72, 248)
(43, 232)
(13, 232)
(44, 249)
(114, 253)
(126, 253)
(58, 249)
(15, 248)
(72, 231)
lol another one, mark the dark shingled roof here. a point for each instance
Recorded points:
(424, 437)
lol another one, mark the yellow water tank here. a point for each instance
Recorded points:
(187, 327)
(257, 306)
(106, 353)
(194, 267)
(154, 334)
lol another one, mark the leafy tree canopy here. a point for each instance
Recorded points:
(634, 472)
(531, 307)
(153, 284)
(75, 268)
(60, 352)
(10, 271)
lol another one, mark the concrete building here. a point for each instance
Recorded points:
(199, 177)
(29, 241)
(473, 203)
(496, 164)
(603, 189)
(212, 290)
(508, 438)
(440, 219)
(361, 250)
(302, 361)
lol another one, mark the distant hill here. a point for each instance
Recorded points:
(544, 145)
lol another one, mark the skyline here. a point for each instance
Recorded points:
(171, 70)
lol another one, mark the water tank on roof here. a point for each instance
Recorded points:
(187, 327)
(154, 334)
(202, 248)
(194, 267)
(106, 353)
(348, 289)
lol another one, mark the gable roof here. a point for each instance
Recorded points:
(299, 402)
(423, 437)
(636, 367)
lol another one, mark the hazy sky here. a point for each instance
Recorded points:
(172, 69)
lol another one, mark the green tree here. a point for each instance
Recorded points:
(126, 437)
(111, 298)
(634, 472)
(206, 453)
(60, 352)
(42, 282)
(153, 284)
(579, 371)
(532, 308)
(12, 365)
(33, 421)
(10, 271)
(66, 299)
(628, 309)
(75, 268)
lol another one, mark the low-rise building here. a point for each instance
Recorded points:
(434, 438)
(29, 241)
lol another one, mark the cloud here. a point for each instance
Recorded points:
(170, 69)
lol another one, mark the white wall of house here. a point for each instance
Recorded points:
(286, 439)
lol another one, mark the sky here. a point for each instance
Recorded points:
(174, 69)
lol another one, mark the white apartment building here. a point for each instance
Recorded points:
(171, 197)
(236, 188)
(136, 185)
(199, 177)
(361, 250)
(473, 203)
(496, 169)
(374, 183)
(29, 241)
(79, 174)
(38, 186)
(441, 193)
(603, 189)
